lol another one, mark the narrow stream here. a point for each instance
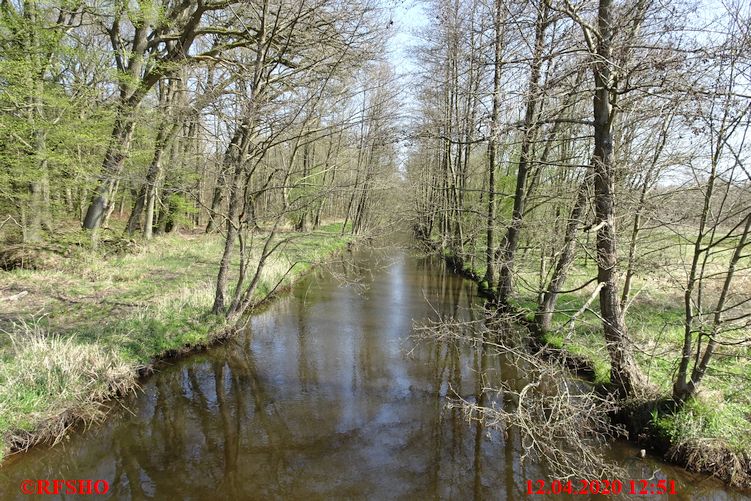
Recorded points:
(320, 399)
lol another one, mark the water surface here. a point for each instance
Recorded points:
(322, 397)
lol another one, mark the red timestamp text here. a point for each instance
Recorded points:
(602, 487)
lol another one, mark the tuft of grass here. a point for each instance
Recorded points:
(705, 418)
(593, 353)
(709, 436)
(49, 381)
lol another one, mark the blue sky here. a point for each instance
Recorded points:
(408, 15)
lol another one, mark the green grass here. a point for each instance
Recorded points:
(86, 326)
(47, 379)
(721, 412)
(702, 420)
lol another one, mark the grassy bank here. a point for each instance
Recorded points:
(81, 332)
(712, 432)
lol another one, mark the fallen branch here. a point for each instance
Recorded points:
(15, 297)
(585, 307)
(562, 423)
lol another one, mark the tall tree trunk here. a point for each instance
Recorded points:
(360, 153)
(134, 220)
(302, 221)
(39, 201)
(624, 372)
(359, 216)
(700, 366)
(114, 159)
(546, 307)
(327, 180)
(237, 152)
(226, 171)
(511, 239)
(232, 232)
(165, 139)
(151, 188)
(493, 144)
(166, 133)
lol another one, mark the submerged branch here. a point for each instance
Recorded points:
(563, 423)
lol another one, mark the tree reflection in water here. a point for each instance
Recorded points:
(318, 398)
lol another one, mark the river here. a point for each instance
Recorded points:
(321, 397)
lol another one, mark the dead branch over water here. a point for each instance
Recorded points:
(563, 423)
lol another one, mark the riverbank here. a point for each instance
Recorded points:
(81, 332)
(710, 434)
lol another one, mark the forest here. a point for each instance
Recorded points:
(167, 166)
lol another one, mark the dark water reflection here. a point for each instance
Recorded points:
(318, 400)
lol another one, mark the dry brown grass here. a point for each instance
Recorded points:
(73, 380)
(713, 457)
